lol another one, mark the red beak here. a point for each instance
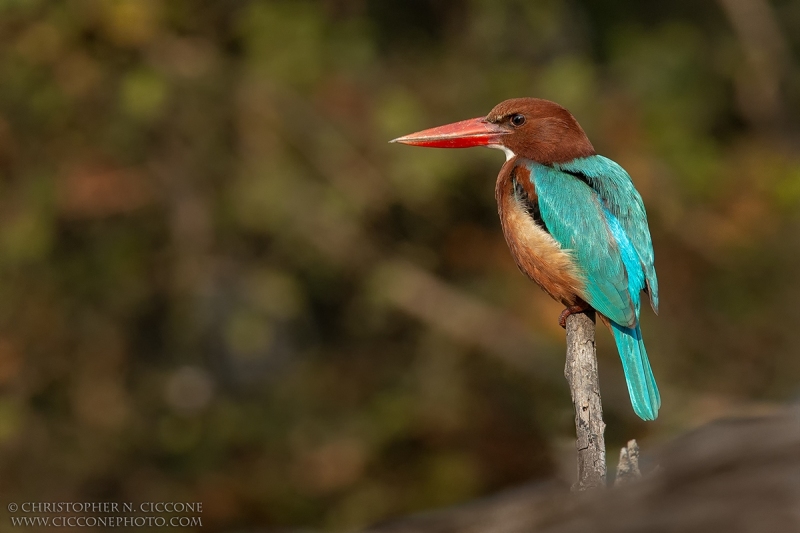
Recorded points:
(464, 134)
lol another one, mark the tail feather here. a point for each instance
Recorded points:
(641, 383)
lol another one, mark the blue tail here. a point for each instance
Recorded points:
(641, 384)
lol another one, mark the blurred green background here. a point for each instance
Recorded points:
(219, 283)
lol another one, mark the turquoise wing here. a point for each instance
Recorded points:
(577, 218)
(618, 194)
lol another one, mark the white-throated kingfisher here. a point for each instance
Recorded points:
(574, 222)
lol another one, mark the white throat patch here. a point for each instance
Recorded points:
(508, 152)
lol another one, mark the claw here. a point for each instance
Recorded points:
(571, 310)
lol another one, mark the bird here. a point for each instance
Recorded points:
(573, 220)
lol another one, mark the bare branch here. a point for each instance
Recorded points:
(584, 383)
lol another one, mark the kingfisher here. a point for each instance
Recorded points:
(573, 220)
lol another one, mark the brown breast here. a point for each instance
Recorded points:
(537, 254)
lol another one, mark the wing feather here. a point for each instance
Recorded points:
(616, 190)
(575, 216)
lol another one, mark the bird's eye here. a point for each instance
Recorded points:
(517, 120)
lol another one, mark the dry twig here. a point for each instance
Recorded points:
(581, 373)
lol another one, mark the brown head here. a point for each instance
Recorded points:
(532, 128)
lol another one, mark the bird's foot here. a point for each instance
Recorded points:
(571, 310)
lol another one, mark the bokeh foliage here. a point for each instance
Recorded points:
(219, 283)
